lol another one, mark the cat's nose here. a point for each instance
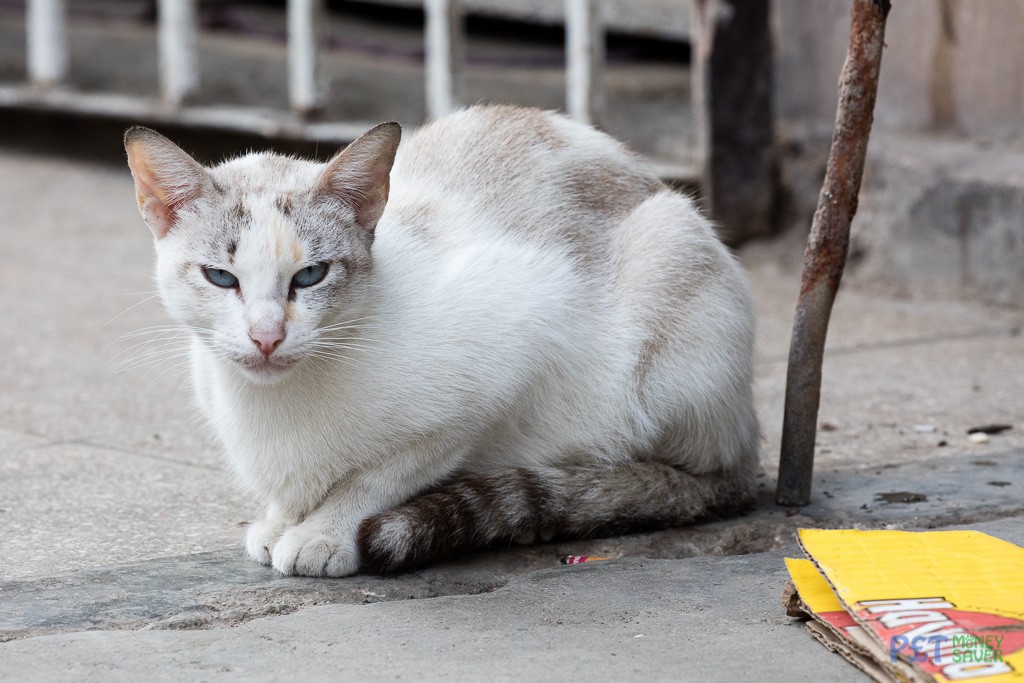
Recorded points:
(266, 342)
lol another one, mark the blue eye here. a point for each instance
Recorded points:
(310, 275)
(221, 278)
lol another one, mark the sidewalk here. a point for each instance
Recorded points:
(122, 537)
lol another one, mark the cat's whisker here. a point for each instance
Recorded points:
(166, 328)
(347, 331)
(133, 306)
(322, 364)
(353, 321)
(340, 357)
(148, 370)
(365, 317)
(354, 351)
(373, 340)
(333, 350)
(151, 346)
(145, 359)
(348, 324)
(351, 338)
(342, 344)
(378, 348)
(149, 360)
(338, 348)
(173, 367)
(347, 336)
(162, 329)
(155, 356)
(161, 338)
(156, 337)
(143, 333)
(181, 385)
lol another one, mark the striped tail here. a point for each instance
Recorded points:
(476, 511)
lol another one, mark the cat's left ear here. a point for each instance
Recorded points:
(167, 179)
(360, 174)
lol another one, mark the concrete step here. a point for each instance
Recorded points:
(943, 218)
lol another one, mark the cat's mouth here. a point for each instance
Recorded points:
(265, 368)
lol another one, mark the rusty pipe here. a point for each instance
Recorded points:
(827, 245)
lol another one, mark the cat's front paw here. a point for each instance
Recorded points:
(308, 551)
(262, 537)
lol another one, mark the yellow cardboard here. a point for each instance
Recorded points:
(815, 592)
(838, 631)
(951, 603)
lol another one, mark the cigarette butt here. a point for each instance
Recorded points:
(580, 559)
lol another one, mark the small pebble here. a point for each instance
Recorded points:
(978, 437)
(924, 429)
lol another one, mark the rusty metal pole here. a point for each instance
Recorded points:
(827, 246)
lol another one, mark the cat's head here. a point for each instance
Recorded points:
(266, 257)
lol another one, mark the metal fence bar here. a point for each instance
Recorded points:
(47, 41)
(702, 18)
(179, 66)
(444, 55)
(303, 55)
(584, 60)
(177, 46)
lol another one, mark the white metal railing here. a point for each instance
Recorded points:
(443, 55)
(584, 60)
(177, 30)
(47, 41)
(303, 54)
(179, 64)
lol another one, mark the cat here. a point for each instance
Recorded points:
(507, 328)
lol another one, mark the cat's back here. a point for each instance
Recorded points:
(485, 147)
(534, 174)
(599, 272)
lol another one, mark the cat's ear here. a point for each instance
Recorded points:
(166, 178)
(359, 174)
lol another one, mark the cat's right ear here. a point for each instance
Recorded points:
(166, 178)
(360, 174)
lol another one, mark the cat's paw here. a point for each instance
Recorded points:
(308, 551)
(261, 539)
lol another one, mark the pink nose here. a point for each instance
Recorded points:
(267, 341)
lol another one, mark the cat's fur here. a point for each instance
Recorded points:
(536, 337)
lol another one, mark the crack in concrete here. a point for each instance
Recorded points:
(1002, 333)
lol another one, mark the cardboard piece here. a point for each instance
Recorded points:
(834, 628)
(905, 606)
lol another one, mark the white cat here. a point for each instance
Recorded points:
(534, 337)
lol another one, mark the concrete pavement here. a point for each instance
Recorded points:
(121, 534)
(702, 619)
